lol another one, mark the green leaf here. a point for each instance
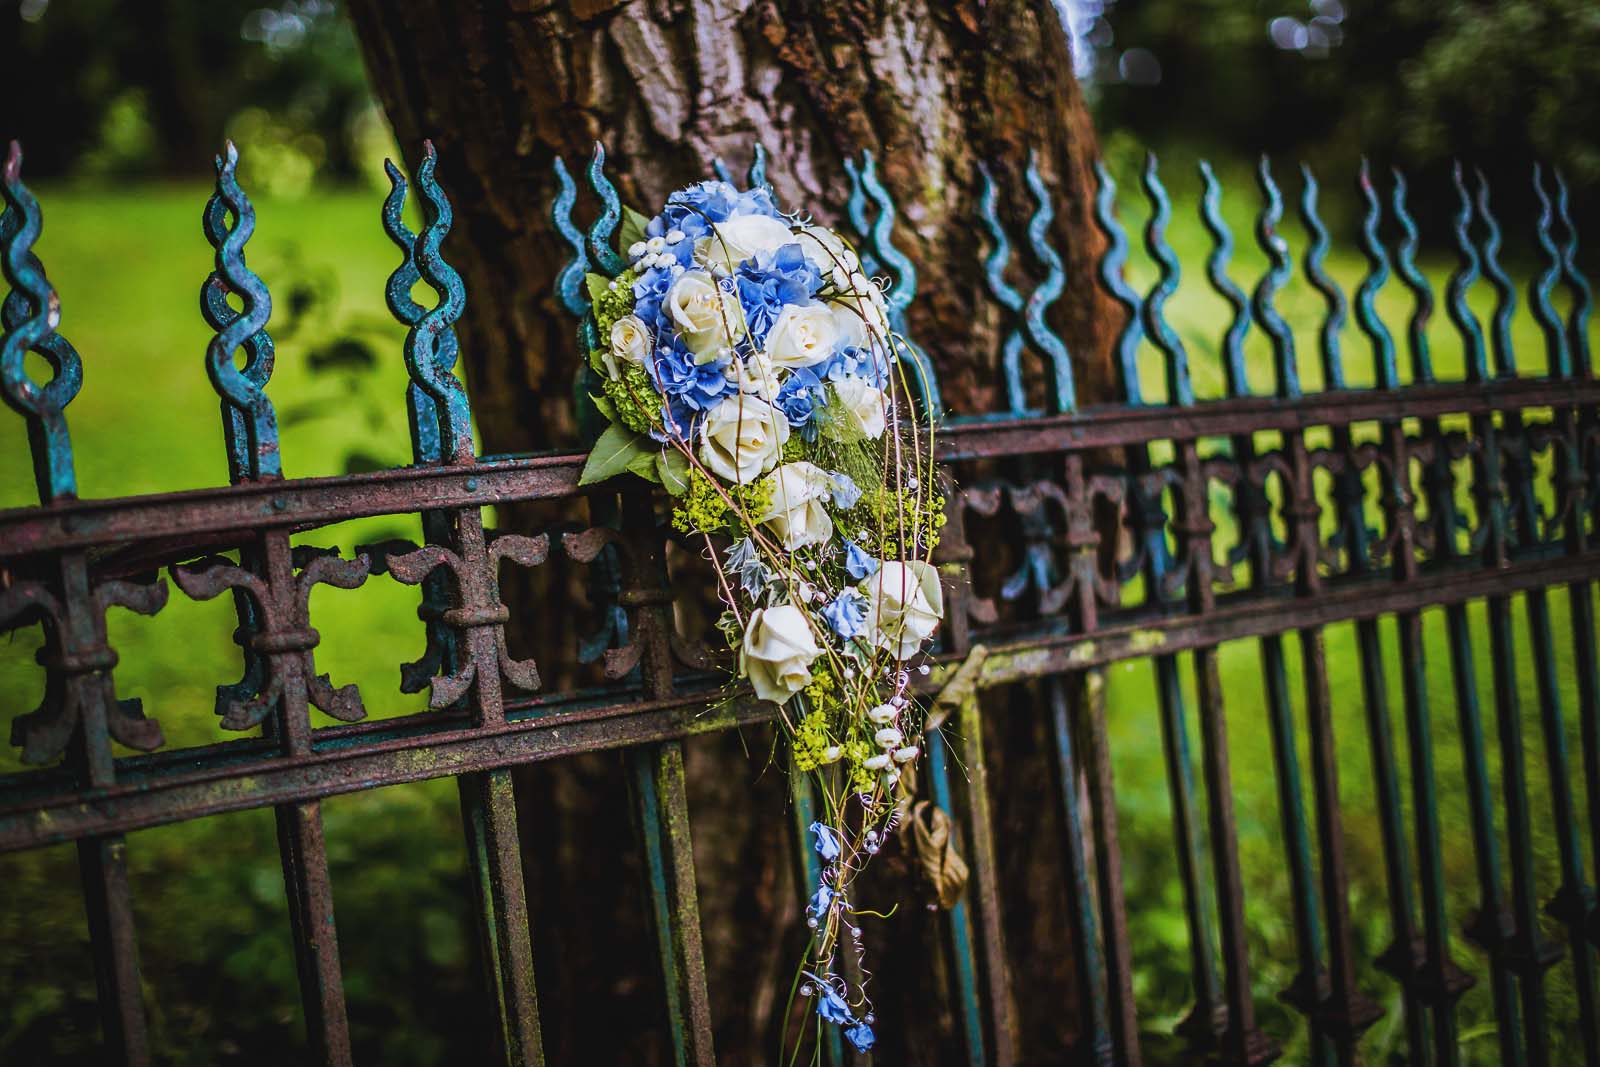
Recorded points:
(603, 405)
(598, 285)
(617, 448)
(632, 230)
(644, 465)
(672, 469)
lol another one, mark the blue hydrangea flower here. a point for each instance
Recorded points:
(757, 201)
(850, 361)
(802, 393)
(821, 901)
(692, 209)
(860, 1035)
(770, 282)
(857, 563)
(694, 386)
(827, 842)
(649, 290)
(847, 613)
(846, 493)
(831, 1006)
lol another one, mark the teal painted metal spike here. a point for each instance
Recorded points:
(1461, 282)
(757, 175)
(1005, 295)
(720, 169)
(855, 210)
(1180, 389)
(904, 290)
(1577, 285)
(569, 282)
(422, 412)
(605, 258)
(31, 315)
(1277, 250)
(1541, 288)
(1415, 281)
(250, 425)
(431, 346)
(1217, 273)
(1316, 271)
(1505, 293)
(1047, 292)
(1111, 276)
(1371, 323)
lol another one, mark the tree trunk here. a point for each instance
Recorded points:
(932, 87)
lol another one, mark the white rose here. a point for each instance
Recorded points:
(857, 408)
(742, 438)
(797, 513)
(860, 297)
(827, 250)
(904, 606)
(708, 318)
(777, 652)
(803, 334)
(732, 242)
(755, 374)
(630, 343)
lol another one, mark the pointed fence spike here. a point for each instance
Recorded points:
(31, 315)
(1505, 292)
(1047, 292)
(1180, 389)
(1112, 263)
(1461, 282)
(1541, 288)
(1371, 323)
(605, 258)
(1416, 282)
(1005, 295)
(1316, 272)
(569, 282)
(1224, 286)
(1277, 275)
(1577, 285)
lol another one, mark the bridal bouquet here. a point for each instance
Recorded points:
(746, 364)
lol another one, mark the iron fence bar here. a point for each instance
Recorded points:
(1207, 1021)
(979, 828)
(1310, 988)
(808, 873)
(80, 713)
(1244, 1044)
(953, 556)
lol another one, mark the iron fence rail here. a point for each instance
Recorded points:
(1341, 505)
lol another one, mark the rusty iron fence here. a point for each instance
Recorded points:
(1254, 517)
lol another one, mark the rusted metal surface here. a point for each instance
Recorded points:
(1069, 592)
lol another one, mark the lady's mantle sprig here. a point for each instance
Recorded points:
(746, 364)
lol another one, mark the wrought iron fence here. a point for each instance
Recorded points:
(1343, 504)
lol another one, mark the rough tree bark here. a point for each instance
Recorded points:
(932, 86)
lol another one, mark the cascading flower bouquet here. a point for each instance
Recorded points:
(746, 363)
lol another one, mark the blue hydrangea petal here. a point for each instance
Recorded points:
(827, 844)
(857, 563)
(861, 1036)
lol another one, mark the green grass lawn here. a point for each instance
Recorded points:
(209, 895)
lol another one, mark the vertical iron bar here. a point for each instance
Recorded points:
(960, 926)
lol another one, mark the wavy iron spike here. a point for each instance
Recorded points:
(1505, 294)
(397, 291)
(904, 289)
(1577, 284)
(605, 258)
(757, 175)
(1461, 282)
(1540, 288)
(855, 209)
(1047, 292)
(1367, 317)
(1111, 276)
(1004, 294)
(431, 347)
(250, 424)
(1316, 271)
(30, 315)
(720, 169)
(1217, 273)
(569, 282)
(1277, 275)
(1180, 389)
(1415, 281)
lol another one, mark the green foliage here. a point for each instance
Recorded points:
(702, 507)
(632, 400)
(616, 452)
